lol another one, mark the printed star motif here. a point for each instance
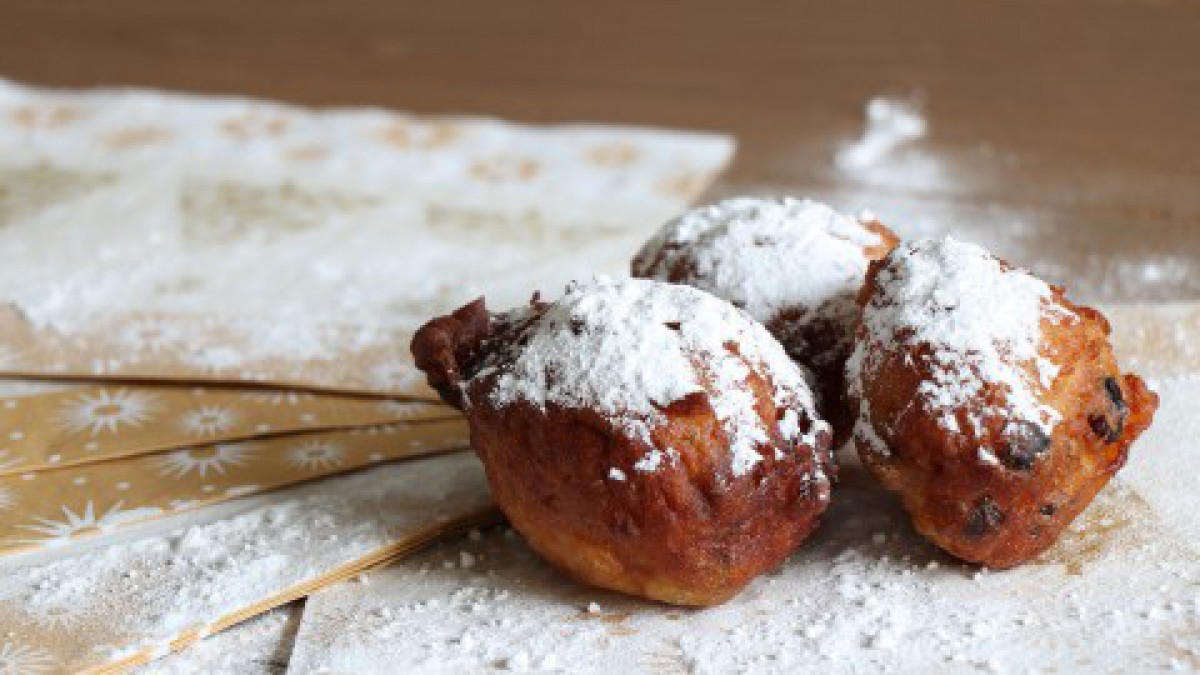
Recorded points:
(107, 411)
(315, 455)
(203, 460)
(59, 532)
(19, 659)
(209, 420)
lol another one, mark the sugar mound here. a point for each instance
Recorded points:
(629, 348)
(980, 321)
(891, 123)
(767, 256)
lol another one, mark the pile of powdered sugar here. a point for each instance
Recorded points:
(767, 256)
(891, 122)
(259, 646)
(628, 348)
(981, 325)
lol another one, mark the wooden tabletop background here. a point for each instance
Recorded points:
(1084, 111)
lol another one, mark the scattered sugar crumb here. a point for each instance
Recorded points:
(891, 122)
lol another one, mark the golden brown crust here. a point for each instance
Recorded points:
(1003, 499)
(691, 531)
(688, 533)
(887, 240)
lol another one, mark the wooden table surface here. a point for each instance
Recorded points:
(1084, 111)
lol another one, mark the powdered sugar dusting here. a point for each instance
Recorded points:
(629, 348)
(164, 586)
(260, 646)
(981, 323)
(865, 594)
(767, 256)
(197, 213)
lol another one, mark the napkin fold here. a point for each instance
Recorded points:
(56, 507)
(94, 423)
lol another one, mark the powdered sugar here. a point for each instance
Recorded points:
(891, 123)
(198, 212)
(260, 646)
(766, 256)
(164, 586)
(650, 462)
(981, 324)
(865, 594)
(629, 348)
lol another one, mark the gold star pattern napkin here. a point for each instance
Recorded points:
(54, 508)
(86, 424)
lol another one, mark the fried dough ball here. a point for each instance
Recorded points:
(644, 437)
(991, 403)
(795, 265)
